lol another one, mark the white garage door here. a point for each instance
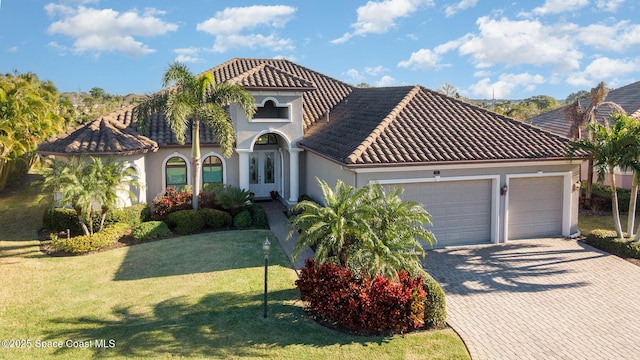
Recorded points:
(460, 210)
(535, 207)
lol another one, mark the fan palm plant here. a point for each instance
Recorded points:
(191, 101)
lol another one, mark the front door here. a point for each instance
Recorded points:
(263, 169)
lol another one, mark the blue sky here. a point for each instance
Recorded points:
(511, 49)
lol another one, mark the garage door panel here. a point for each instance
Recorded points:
(460, 210)
(535, 207)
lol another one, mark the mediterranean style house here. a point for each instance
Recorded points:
(484, 178)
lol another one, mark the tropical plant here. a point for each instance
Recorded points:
(89, 186)
(579, 118)
(233, 199)
(367, 230)
(334, 228)
(29, 114)
(397, 226)
(190, 101)
(609, 147)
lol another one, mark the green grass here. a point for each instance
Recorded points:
(196, 296)
(21, 209)
(586, 224)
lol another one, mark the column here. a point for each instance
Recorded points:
(243, 168)
(294, 175)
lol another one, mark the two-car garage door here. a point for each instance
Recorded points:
(460, 210)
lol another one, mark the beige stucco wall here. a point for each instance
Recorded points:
(316, 166)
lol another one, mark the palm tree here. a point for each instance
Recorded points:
(335, 227)
(196, 99)
(579, 118)
(397, 226)
(88, 184)
(610, 147)
(367, 230)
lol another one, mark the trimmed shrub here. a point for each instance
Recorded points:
(133, 215)
(362, 304)
(86, 243)
(61, 219)
(435, 308)
(259, 216)
(215, 218)
(171, 201)
(242, 220)
(607, 240)
(209, 195)
(185, 221)
(150, 230)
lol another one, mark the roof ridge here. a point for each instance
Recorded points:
(249, 72)
(375, 134)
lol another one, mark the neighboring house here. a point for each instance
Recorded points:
(485, 178)
(628, 97)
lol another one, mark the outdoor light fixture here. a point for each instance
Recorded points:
(266, 246)
(503, 190)
(576, 186)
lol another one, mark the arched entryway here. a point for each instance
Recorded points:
(270, 167)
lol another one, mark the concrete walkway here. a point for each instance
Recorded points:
(279, 225)
(540, 299)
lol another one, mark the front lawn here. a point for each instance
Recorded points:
(196, 296)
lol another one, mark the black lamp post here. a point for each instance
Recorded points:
(266, 246)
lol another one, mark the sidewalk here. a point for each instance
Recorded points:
(280, 227)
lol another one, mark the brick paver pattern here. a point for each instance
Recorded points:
(540, 299)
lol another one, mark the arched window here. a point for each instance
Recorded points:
(212, 170)
(176, 173)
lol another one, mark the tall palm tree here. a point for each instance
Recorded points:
(579, 118)
(610, 147)
(190, 101)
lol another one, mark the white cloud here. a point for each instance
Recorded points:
(560, 6)
(609, 5)
(188, 55)
(422, 59)
(462, 5)
(378, 17)
(521, 42)
(235, 27)
(505, 85)
(385, 81)
(355, 75)
(604, 68)
(107, 30)
(13, 49)
(618, 37)
(375, 70)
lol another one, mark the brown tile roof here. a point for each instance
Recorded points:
(627, 96)
(109, 134)
(414, 125)
(321, 93)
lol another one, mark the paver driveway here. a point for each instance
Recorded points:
(540, 299)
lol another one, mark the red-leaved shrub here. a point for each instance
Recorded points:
(362, 304)
(171, 201)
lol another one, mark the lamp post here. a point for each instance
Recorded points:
(266, 246)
